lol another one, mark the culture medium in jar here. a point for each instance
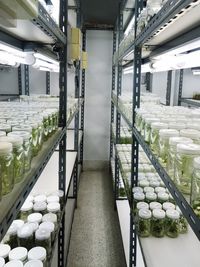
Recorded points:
(144, 222)
(154, 140)
(164, 136)
(172, 223)
(4, 251)
(19, 253)
(147, 128)
(6, 167)
(43, 239)
(25, 236)
(184, 166)
(173, 142)
(38, 253)
(195, 190)
(26, 210)
(158, 223)
(183, 224)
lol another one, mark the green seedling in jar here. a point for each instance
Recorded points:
(183, 224)
(25, 236)
(144, 222)
(158, 223)
(195, 190)
(172, 223)
(26, 210)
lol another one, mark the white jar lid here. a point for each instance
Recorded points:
(154, 183)
(167, 133)
(148, 189)
(35, 217)
(160, 189)
(155, 205)
(194, 126)
(2, 262)
(48, 226)
(40, 206)
(139, 196)
(37, 253)
(53, 207)
(12, 230)
(159, 125)
(137, 189)
(151, 196)
(34, 263)
(173, 214)
(42, 234)
(40, 198)
(178, 140)
(33, 225)
(142, 205)
(5, 127)
(191, 149)
(16, 141)
(18, 223)
(158, 214)
(196, 163)
(168, 205)
(19, 253)
(190, 133)
(151, 120)
(144, 183)
(2, 133)
(177, 125)
(5, 147)
(25, 135)
(30, 198)
(14, 263)
(144, 214)
(50, 217)
(23, 128)
(163, 196)
(4, 250)
(25, 231)
(52, 198)
(26, 206)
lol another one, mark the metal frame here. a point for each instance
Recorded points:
(20, 79)
(149, 82)
(26, 79)
(169, 87)
(48, 77)
(180, 89)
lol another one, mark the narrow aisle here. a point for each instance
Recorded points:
(96, 239)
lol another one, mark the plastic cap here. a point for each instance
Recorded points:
(18, 223)
(35, 217)
(194, 126)
(5, 127)
(173, 214)
(12, 230)
(53, 207)
(154, 184)
(16, 141)
(27, 206)
(5, 147)
(160, 189)
(42, 234)
(163, 196)
(40, 206)
(191, 149)
(158, 214)
(4, 250)
(25, 231)
(50, 217)
(167, 133)
(155, 205)
(177, 125)
(144, 183)
(151, 196)
(148, 189)
(142, 205)
(190, 133)
(47, 226)
(52, 198)
(139, 196)
(34, 263)
(137, 189)
(40, 198)
(37, 253)
(144, 214)
(25, 135)
(33, 225)
(2, 262)
(23, 128)
(168, 205)
(178, 140)
(151, 120)
(19, 253)
(2, 133)
(14, 263)
(159, 125)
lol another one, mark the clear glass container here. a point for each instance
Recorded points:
(173, 142)
(54, 207)
(137, 197)
(195, 189)
(147, 128)
(154, 140)
(6, 167)
(164, 136)
(50, 226)
(192, 134)
(155, 205)
(184, 166)
(34, 217)
(46, 125)
(11, 236)
(38, 253)
(43, 239)
(172, 223)
(158, 223)
(4, 251)
(25, 236)
(40, 129)
(26, 210)
(183, 224)
(40, 207)
(144, 222)
(51, 217)
(19, 253)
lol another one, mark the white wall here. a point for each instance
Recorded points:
(98, 97)
(159, 85)
(191, 83)
(9, 81)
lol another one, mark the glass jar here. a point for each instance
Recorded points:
(168, 205)
(144, 222)
(155, 205)
(184, 166)
(6, 166)
(18, 223)
(35, 217)
(14, 263)
(195, 189)
(40, 198)
(35, 136)
(150, 197)
(54, 207)
(4, 251)
(172, 223)
(27, 147)
(51, 228)
(5, 128)
(2, 262)
(147, 128)
(154, 139)
(51, 217)
(173, 142)
(158, 223)
(18, 156)
(11, 236)
(25, 236)
(34, 263)
(137, 197)
(46, 125)
(38, 253)
(19, 253)
(163, 197)
(43, 239)
(60, 194)
(40, 207)
(192, 134)
(183, 224)
(40, 128)
(164, 136)
(26, 210)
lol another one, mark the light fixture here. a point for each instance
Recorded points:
(45, 63)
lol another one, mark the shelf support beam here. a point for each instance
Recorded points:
(26, 79)
(169, 87)
(48, 82)
(180, 89)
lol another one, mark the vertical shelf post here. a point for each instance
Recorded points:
(180, 89)
(62, 123)
(20, 79)
(169, 87)
(26, 79)
(48, 82)
(148, 82)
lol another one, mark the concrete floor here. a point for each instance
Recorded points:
(95, 239)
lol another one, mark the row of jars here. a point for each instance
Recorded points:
(21, 257)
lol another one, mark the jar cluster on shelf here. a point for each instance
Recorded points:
(125, 134)
(35, 229)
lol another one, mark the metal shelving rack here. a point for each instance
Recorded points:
(43, 32)
(157, 28)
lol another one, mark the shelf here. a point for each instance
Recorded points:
(191, 102)
(41, 29)
(11, 204)
(123, 210)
